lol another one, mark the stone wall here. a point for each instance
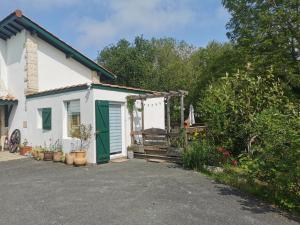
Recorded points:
(31, 47)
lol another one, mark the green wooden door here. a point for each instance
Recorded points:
(102, 131)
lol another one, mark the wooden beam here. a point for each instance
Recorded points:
(131, 128)
(158, 95)
(143, 114)
(168, 115)
(10, 30)
(15, 26)
(182, 111)
(4, 35)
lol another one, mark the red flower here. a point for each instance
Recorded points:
(226, 154)
(234, 162)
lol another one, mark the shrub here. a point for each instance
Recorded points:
(276, 155)
(230, 104)
(199, 154)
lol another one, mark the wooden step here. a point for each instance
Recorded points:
(160, 157)
(156, 151)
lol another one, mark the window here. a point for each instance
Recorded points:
(73, 118)
(46, 118)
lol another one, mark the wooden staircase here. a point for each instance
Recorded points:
(156, 147)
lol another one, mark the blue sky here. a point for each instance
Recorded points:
(90, 25)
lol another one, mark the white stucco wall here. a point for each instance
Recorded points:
(56, 70)
(16, 74)
(154, 117)
(37, 136)
(3, 72)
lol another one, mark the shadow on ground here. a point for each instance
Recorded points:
(252, 204)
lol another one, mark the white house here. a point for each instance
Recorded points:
(47, 88)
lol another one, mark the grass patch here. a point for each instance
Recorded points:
(237, 177)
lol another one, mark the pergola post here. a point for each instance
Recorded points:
(131, 128)
(168, 115)
(182, 110)
(143, 115)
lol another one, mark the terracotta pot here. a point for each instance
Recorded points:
(48, 156)
(34, 154)
(57, 156)
(25, 150)
(80, 158)
(70, 158)
(40, 155)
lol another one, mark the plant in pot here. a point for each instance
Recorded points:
(39, 153)
(84, 134)
(57, 152)
(25, 149)
(48, 151)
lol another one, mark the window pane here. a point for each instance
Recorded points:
(73, 114)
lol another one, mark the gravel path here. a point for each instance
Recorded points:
(129, 193)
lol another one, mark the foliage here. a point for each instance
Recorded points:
(84, 134)
(267, 33)
(276, 159)
(166, 64)
(130, 105)
(230, 105)
(199, 154)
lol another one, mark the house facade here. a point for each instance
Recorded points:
(47, 88)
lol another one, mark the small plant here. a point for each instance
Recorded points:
(84, 134)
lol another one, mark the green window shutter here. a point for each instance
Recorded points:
(46, 115)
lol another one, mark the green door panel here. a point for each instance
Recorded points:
(102, 131)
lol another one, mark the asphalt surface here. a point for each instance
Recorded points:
(132, 192)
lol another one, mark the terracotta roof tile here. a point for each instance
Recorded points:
(8, 98)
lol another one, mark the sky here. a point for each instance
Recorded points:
(91, 25)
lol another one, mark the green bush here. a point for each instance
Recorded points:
(199, 154)
(230, 105)
(276, 156)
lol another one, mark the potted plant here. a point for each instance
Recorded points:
(69, 158)
(39, 153)
(48, 151)
(57, 153)
(24, 148)
(84, 134)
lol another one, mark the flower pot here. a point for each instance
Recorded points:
(25, 150)
(80, 158)
(57, 156)
(70, 158)
(40, 156)
(34, 154)
(48, 156)
(130, 154)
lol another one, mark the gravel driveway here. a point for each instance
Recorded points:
(129, 193)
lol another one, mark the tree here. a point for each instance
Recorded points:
(267, 33)
(231, 104)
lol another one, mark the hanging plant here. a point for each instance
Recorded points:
(130, 105)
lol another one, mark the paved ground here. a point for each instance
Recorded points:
(132, 192)
(7, 156)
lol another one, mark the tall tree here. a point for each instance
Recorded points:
(267, 33)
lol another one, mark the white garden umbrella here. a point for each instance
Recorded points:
(192, 115)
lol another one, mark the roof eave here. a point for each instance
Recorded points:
(17, 21)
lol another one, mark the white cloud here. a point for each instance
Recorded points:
(39, 4)
(133, 17)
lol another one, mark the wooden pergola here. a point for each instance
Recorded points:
(167, 96)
